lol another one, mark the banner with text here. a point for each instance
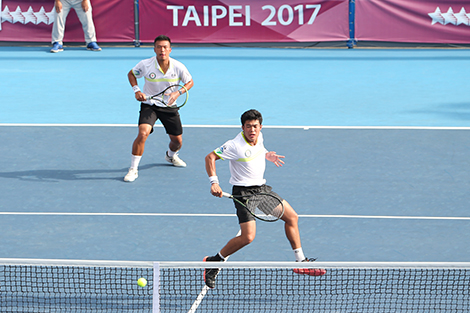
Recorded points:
(31, 20)
(233, 21)
(430, 21)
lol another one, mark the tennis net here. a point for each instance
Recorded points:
(101, 286)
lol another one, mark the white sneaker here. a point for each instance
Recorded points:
(131, 175)
(175, 160)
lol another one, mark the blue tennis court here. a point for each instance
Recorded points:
(376, 144)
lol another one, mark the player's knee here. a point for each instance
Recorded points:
(143, 135)
(248, 238)
(292, 218)
(295, 217)
(177, 142)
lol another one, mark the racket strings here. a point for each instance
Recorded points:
(164, 96)
(266, 205)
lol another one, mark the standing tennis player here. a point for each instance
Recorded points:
(247, 156)
(159, 72)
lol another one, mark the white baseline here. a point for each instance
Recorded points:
(232, 215)
(238, 126)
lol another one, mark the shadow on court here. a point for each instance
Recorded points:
(56, 175)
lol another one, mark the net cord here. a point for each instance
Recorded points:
(232, 264)
(78, 263)
(356, 265)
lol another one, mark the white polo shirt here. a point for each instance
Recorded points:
(156, 81)
(247, 162)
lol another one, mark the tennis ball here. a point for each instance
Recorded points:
(142, 282)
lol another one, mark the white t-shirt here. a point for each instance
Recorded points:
(247, 162)
(156, 81)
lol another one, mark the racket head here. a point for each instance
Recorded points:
(164, 96)
(264, 206)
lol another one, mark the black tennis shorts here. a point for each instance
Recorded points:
(242, 213)
(169, 117)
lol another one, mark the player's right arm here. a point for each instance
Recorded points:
(216, 191)
(133, 81)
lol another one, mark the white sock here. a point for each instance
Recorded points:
(171, 153)
(223, 259)
(135, 160)
(299, 255)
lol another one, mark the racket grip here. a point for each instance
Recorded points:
(226, 194)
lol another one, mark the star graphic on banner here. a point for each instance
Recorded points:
(51, 16)
(43, 17)
(462, 17)
(18, 16)
(437, 17)
(449, 17)
(6, 16)
(29, 17)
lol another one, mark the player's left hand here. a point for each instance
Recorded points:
(173, 97)
(276, 159)
(85, 5)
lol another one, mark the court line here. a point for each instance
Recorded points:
(462, 218)
(306, 127)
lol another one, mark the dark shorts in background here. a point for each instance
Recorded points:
(170, 118)
(242, 213)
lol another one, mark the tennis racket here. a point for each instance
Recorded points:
(263, 206)
(164, 96)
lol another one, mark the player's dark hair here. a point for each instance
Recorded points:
(251, 115)
(162, 38)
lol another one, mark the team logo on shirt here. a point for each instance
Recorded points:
(152, 75)
(248, 153)
(219, 150)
